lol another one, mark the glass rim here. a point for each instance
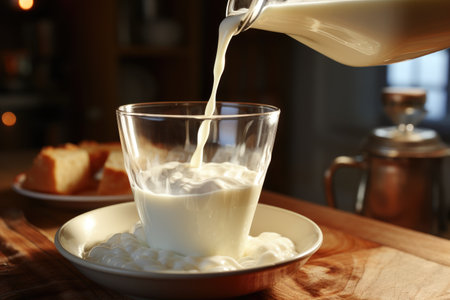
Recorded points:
(122, 110)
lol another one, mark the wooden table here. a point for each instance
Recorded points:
(360, 258)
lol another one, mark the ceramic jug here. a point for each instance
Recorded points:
(353, 32)
(402, 166)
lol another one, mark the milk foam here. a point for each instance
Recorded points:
(130, 251)
(175, 178)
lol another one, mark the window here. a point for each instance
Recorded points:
(429, 72)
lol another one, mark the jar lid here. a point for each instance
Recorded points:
(419, 143)
(405, 107)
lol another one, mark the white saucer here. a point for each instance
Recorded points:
(86, 230)
(70, 201)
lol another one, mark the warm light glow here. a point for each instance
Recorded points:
(89, 224)
(9, 118)
(25, 4)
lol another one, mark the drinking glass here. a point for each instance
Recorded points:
(199, 206)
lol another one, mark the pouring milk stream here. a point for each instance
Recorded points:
(228, 28)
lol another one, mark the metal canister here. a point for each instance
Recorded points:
(402, 166)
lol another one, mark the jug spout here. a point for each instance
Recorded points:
(251, 9)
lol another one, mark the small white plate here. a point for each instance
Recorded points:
(70, 201)
(81, 233)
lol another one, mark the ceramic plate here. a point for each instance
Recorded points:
(84, 231)
(70, 201)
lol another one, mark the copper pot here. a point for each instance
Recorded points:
(402, 167)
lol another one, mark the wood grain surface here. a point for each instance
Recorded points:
(427, 246)
(346, 266)
(31, 267)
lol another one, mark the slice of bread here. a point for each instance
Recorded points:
(98, 153)
(114, 180)
(59, 170)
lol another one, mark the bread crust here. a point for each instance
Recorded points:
(59, 170)
(72, 169)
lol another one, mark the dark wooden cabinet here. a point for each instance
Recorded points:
(120, 53)
(72, 63)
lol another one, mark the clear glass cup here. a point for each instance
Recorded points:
(198, 208)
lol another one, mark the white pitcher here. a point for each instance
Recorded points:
(354, 32)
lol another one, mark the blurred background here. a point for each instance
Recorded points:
(65, 65)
